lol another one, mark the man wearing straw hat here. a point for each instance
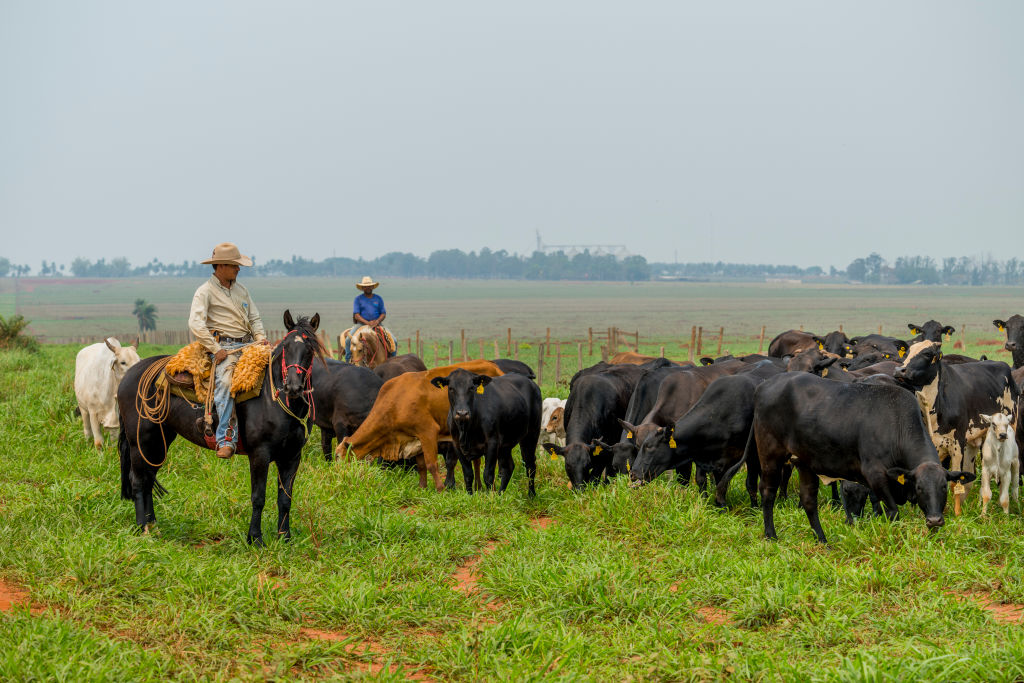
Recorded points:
(367, 309)
(223, 317)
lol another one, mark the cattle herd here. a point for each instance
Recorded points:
(878, 419)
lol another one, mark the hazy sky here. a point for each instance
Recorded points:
(782, 132)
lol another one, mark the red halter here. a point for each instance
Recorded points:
(308, 391)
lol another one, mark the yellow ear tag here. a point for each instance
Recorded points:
(597, 450)
(885, 355)
(959, 490)
(480, 388)
(628, 468)
(629, 435)
(672, 442)
(902, 352)
(821, 347)
(553, 456)
(824, 372)
(901, 479)
(1000, 329)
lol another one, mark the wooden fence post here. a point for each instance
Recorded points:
(437, 361)
(540, 365)
(481, 348)
(496, 355)
(590, 340)
(700, 339)
(451, 351)
(721, 335)
(840, 328)
(515, 348)
(558, 364)
(509, 347)
(463, 346)
(760, 344)
(419, 351)
(408, 345)
(693, 340)
(579, 356)
(661, 351)
(879, 328)
(636, 341)
(547, 341)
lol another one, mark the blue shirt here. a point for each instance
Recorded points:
(370, 307)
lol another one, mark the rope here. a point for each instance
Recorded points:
(152, 404)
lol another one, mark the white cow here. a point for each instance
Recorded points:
(552, 421)
(99, 368)
(999, 460)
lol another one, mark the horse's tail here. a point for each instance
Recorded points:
(125, 452)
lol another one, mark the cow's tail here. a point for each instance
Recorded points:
(125, 452)
(749, 453)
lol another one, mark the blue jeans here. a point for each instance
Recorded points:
(222, 397)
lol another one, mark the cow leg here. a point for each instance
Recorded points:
(258, 467)
(507, 466)
(701, 479)
(452, 457)
(1004, 492)
(809, 483)
(1014, 481)
(530, 462)
(490, 462)
(837, 500)
(286, 472)
(986, 485)
(878, 482)
(429, 442)
(787, 474)
(97, 429)
(468, 473)
(771, 475)
(683, 473)
(326, 437)
(421, 467)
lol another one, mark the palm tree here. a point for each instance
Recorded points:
(146, 313)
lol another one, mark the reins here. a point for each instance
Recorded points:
(307, 392)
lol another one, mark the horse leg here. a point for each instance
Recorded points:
(326, 437)
(258, 467)
(286, 472)
(140, 485)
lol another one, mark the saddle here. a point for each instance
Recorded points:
(189, 373)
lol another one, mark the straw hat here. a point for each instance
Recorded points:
(367, 281)
(227, 252)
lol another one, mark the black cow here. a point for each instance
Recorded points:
(343, 395)
(508, 365)
(953, 397)
(890, 348)
(598, 398)
(871, 434)
(489, 417)
(855, 497)
(1014, 328)
(792, 342)
(398, 365)
(712, 434)
(930, 331)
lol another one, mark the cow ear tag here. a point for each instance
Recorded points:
(821, 347)
(902, 352)
(959, 490)
(672, 442)
(1000, 328)
(479, 388)
(597, 450)
(901, 479)
(824, 372)
(629, 435)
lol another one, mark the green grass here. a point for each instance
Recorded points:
(620, 586)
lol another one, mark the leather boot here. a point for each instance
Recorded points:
(225, 451)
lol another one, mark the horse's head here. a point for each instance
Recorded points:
(298, 349)
(367, 348)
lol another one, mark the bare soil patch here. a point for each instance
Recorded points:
(364, 647)
(542, 522)
(466, 577)
(714, 615)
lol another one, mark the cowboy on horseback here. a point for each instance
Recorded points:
(223, 318)
(367, 309)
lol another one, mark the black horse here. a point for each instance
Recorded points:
(271, 427)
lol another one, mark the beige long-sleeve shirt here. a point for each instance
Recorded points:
(228, 311)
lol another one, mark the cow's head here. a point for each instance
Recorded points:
(890, 347)
(658, 452)
(556, 422)
(580, 462)
(931, 330)
(812, 360)
(1014, 329)
(124, 356)
(834, 342)
(922, 364)
(463, 388)
(999, 425)
(928, 484)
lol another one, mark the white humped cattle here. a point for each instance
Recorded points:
(99, 368)
(999, 460)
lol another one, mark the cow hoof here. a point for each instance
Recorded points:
(256, 541)
(98, 445)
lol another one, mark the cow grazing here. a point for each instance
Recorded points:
(932, 330)
(343, 396)
(1014, 329)
(410, 415)
(488, 417)
(98, 370)
(792, 342)
(999, 459)
(953, 397)
(552, 420)
(712, 434)
(508, 365)
(871, 434)
(398, 365)
(598, 398)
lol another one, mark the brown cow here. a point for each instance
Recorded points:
(410, 414)
(634, 358)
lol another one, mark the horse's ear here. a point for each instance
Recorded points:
(314, 322)
(289, 323)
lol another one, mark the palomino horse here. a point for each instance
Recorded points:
(368, 347)
(270, 426)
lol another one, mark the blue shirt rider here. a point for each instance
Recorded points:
(367, 309)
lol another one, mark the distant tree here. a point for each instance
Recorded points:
(5, 267)
(146, 314)
(13, 334)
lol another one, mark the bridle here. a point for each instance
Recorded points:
(307, 392)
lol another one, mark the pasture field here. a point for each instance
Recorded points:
(386, 581)
(663, 312)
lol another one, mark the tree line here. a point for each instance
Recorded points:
(487, 264)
